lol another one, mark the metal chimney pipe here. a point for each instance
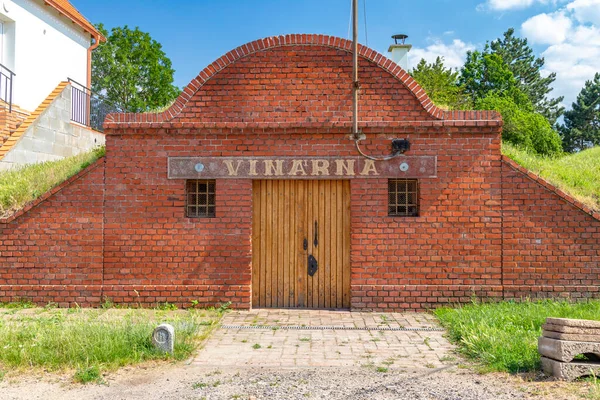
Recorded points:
(355, 131)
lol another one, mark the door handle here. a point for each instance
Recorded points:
(313, 265)
(316, 241)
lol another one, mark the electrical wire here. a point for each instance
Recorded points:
(375, 158)
(349, 20)
(365, 16)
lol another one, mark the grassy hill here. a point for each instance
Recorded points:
(577, 174)
(23, 185)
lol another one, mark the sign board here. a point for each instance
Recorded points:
(300, 168)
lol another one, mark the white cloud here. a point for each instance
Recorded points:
(454, 53)
(503, 5)
(547, 28)
(586, 11)
(507, 5)
(572, 34)
(574, 62)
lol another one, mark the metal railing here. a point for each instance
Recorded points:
(88, 108)
(6, 86)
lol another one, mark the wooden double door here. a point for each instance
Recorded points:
(301, 244)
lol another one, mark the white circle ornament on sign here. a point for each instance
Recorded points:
(404, 167)
(199, 167)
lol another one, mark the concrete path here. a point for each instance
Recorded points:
(308, 338)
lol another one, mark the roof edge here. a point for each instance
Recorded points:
(116, 120)
(89, 27)
(550, 187)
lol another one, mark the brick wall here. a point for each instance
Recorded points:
(478, 230)
(451, 251)
(52, 250)
(551, 242)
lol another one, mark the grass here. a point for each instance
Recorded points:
(503, 336)
(90, 341)
(577, 174)
(23, 185)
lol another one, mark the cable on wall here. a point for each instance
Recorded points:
(386, 158)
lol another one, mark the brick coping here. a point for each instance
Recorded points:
(162, 119)
(53, 191)
(549, 186)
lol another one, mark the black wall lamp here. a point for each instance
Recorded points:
(400, 146)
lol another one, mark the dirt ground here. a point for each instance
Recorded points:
(181, 381)
(276, 354)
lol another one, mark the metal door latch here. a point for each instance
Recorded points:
(312, 265)
(305, 245)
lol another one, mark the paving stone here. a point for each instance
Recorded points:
(570, 329)
(403, 349)
(574, 337)
(564, 350)
(579, 323)
(569, 371)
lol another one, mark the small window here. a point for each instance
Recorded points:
(200, 199)
(403, 197)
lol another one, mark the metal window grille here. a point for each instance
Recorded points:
(403, 197)
(200, 199)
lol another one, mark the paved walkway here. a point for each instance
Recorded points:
(303, 338)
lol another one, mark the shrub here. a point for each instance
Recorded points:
(522, 126)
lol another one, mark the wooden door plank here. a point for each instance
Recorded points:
(327, 248)
(321, 249)
(346, 229)
(293, 244)
(301, 254)
(334, 235)
(269, 239)
(279, 243)
(340, 243)
(255, 243)
(286, 243)
(310, 280)
(263, 244)
(317, 249)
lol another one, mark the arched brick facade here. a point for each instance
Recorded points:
(485, 227)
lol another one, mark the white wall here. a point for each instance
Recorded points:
(52, 136)
(48, 49)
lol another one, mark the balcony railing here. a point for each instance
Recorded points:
(6, 86)
(88, 108)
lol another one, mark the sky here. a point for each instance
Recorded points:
(194, 33)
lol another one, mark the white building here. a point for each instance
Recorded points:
(43, 115)
(44, 42)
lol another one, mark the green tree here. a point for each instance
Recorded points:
(582, 122)
(526, 69)
(522, 126)
(441, 84)
(132, 70)
(485, 73)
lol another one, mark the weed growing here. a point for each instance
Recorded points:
(503, 336)
(578, 174)
(90, 341)
(23, 185)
